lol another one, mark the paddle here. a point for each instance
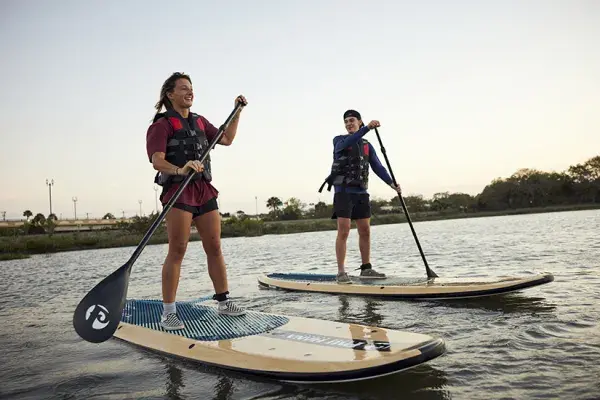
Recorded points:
(98, 314)
(430, 273)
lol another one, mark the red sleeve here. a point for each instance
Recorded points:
(156, 137)
(209, 129)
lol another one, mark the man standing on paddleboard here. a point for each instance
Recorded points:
(352, 157)
(175, 142)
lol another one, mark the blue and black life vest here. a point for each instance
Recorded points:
(351, 168)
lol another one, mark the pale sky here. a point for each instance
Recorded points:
(466, 91)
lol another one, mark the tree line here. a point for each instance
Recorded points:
(526, 188)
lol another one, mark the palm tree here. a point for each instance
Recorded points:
(274, 203)
(39, 219)
(27, 214)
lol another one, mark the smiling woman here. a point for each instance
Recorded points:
(175, 143)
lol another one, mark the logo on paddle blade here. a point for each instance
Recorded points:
(99, 314)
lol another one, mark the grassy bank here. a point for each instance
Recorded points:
(15, 247)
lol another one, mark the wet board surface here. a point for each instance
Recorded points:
(285, 348)
(404, 288)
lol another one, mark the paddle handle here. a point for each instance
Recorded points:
(187, 180)
(430, 273)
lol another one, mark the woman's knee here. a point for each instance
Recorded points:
(177, 250)
(212, 245)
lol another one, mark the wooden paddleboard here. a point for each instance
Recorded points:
(284, 348)
(403, 288)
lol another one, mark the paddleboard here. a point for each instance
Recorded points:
(403, 288)
(284, 348)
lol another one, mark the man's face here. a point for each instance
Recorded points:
(352, 124)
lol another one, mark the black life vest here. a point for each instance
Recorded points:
(187, 143)
(351, 168)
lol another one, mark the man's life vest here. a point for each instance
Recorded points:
(187, 143)
(351, 168)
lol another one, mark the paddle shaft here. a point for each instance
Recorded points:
(430, 273)
(187, 180)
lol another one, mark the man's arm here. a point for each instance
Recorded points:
(378, 168)
(349, 140)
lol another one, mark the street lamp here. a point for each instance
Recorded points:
(50, 184)
(75, 206)
(139, 201)
(256, 205)
(3, 215)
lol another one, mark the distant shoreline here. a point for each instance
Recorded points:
(19, 247)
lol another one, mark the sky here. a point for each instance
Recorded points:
(465, 91)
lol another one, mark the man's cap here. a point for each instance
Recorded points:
(352, 113)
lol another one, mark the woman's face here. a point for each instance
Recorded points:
(183, 94)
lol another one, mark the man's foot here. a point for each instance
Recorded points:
(228, 307)
(343, 277)
(171, 322)
(367, 272)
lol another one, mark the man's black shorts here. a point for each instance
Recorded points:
(351, 205)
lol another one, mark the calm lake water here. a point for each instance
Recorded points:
(543, 342)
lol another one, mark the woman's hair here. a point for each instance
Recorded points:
(168, 87)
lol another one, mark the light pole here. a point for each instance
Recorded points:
(3, 215)
(156, 198)
(50, 184)
(256, 205)
(139, 201)
(123, 213)
(75, 206)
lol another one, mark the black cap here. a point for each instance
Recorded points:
(352, 113)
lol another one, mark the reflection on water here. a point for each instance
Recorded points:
(507, 303)
(543, 342)
(369, 314)
(223, 389)
(174, 381)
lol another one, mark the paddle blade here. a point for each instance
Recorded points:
(98, 314)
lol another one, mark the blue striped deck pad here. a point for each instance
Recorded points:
(330, 278)
(201, 322)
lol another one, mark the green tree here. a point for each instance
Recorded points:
(440, 201)
(27, 214)
(414, 203)
(322, 210)
(376, 204)
(38, 220)
(108, 216)
(293, 209)
(51, 223)
(462, 202)
(586, 180)
(274, 203)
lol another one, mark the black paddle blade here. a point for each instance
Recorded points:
(98, 314)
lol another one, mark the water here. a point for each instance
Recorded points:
(542, 343)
